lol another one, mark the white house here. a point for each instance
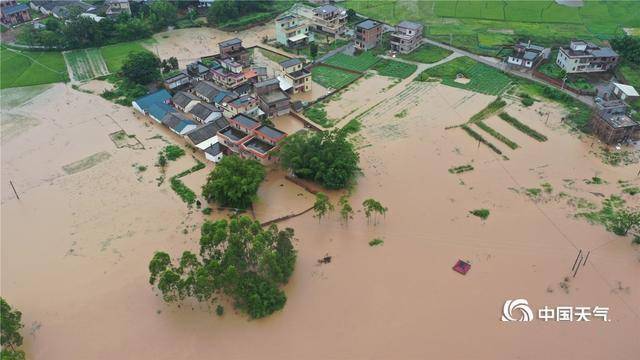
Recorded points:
(214, 152)
(206, 135)
(624, 92)
(527, 55)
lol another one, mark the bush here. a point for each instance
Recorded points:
(234, 182)
(481, 213)
(527, 101)
(173, 152)
(219, 310)
(207, 211)
(187, 195)
(376, 242)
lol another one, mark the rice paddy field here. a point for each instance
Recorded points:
(86, 64)
(481, 78)
(25, 68)
(484, 26)
(331, 78)
(395, 69)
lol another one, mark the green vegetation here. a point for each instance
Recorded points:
(346, 211)
(614, 216)
(327, 158)
(173, 152)
(493, 107)
(219, 310)
(394, 68)
(141, 67)
(595, 181)
(187, 195)
(479, 137)
(522, 127)
(124, 91)
(376, 242)
(533, 192)
(427, 54)
(352, 127)
(497, 135)
(271, 55)
(484, 27)
(548, 188)
(481, 213)
(86, 64)
(460, 169)
(25, 68)
(332, 78)
(482, 78)
(238, 259)
(207, 211)
(361, 62)
(322, 206)
(373, 208)
(527, 101)
(234, 15)
(116, 54)
(401, 114)
(234, 182)
(318, 115)
(10, 337)
(631, 190)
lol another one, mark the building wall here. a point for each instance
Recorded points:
(216, 159)
(205, 144)
(368, 39)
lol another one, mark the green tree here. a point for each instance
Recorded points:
(327, 158)
(141, 67)
(238, 259)
(624, 220)
(351, 14)
(628, 47)
(373, 207)
(346, 211)
(322, 206)
(313, 49)
(234, 182)
(10, 326)
(164, 13)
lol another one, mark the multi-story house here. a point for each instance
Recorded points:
(12, 13)
(229, 75)
(368, 34)
(292, 31)
(527, 55)
(233, 49)
(330, 19)
(117, 7)
(297, 78)
(244, 104)
(271, 99)
(407, 37)
(612, 124)
(585, 57)
(246, 137)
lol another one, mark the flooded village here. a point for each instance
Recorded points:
(487, 162)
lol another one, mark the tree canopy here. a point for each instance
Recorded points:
(234, 182)
(141, 67)
(238, 259)
(628, 47)
(10, 337)
(327, 158)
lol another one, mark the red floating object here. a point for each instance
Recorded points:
(462, 267)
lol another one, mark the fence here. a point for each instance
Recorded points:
(559, 83)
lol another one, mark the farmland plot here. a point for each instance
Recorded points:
(85, 64)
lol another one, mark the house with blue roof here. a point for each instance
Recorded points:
(12, 13)
(178, 123)
(156, 105)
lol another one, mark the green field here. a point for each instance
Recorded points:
(25, 68)
(427, 54)
(331, 78)
(484, 26)
(114, 55)
(86, 64)
(395, 69)
(361, 62)
(483, 78)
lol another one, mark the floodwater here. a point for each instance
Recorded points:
(75, 248)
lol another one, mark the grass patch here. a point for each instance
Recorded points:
(401, 114)
(427, 54)
(460, 169)
(361, 62)
(331, 78)
(273, 56)
(481, 213)
(493, 107)
(376, 242)
(187, 195)
(483, 78)
(522, 127)
(115, 55)
(207, 211)
(614, 216)
(352, 127)
(394, 69)
(546, 187)
(479, 137)
(497, 135)
(25, 68)
(318, 115)
(595, 181)
(631, 190)
(124, 91)
(533, 192)
(86, 64)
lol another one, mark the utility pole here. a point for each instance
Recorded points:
(14, 189)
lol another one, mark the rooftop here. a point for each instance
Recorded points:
(300, 73)
(214, 149)
(245, 121)
(242, 100)
(368, 24)
(202, 110)
(618, 121)
(230, 42)
(176, 121)
(156, 103)
(265, 83)
(290, 62)
(627, 89)
(258, 146)
(271, 132)
(410, 25)
(274, 96)
(183, 99)
(13, 9)
(233, 133)
(205, 132)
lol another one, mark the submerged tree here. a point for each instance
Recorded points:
(372, 208)
(322, 206)
(234, 182)
(141, 67)
(346, 211)
(238, 259)
(10, 338)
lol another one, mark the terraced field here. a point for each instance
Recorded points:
(85, 64)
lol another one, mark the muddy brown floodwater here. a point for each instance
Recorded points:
(76, 246)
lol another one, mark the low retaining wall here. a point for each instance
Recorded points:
(307, 123)
(286, 217)
(558, 83)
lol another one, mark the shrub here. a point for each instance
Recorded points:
(527, 101)
(234, 182)
(207, 211)
(173, 152)
(522, 127)
(376, 242)
(481, 213)
(219, 310)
